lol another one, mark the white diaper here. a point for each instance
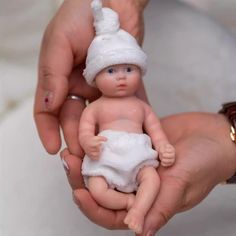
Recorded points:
(122, 156)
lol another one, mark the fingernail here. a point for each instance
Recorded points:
(76, 201)
(150, 233)
(65, 165)
(48, 100)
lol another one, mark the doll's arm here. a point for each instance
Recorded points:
(159, 139)
(88, 140)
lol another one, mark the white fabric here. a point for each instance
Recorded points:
(121, 158)
(106, 21)
(111, 45)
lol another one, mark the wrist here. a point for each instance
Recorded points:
(214, 129)
(230, 153)
(228, 113)
(229, 144)
(158, 145)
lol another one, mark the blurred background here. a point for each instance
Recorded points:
(222, 11)
(191, 46)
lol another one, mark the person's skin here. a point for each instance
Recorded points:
(63, 51)
(202, 145)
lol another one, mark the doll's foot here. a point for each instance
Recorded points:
(134, 219)
(130, 201)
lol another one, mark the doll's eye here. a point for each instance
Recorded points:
(110, 70)
(129, 69)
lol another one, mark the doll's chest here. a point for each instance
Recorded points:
(130, 111)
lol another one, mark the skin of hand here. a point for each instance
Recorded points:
(93, 146)
(202, 146)
(61, 62)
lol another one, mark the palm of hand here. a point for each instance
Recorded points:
(201, 153)
(202, 162)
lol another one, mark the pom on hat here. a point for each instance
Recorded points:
(106, 21)
(111, 44)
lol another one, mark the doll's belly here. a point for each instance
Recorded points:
(122, 125)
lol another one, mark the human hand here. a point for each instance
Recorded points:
(92, 146)
(109, 219)
(167, 154)
(61, 62)
(202, 146)
(205, 157)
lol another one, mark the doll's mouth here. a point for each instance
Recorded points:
(121, 85)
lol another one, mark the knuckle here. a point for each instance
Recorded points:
(46, 72)
(46, 76)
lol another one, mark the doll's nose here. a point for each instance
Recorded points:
(120, 75)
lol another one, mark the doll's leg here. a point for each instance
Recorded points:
(108, 197)
(149, 184)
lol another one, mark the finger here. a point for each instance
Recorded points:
(167, 155)
(169, 148)
(94, 155)
(104, 217)
(55, 64)
(168, 159)
(131, 19)
(167, 164)
(101, 138)
(95, 148)
(167, 204)
(49, 131)
(96, 145)
(166, 149)
(72, 166)
(69, 118)
(79, 86)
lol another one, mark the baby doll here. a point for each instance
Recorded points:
(119, 157)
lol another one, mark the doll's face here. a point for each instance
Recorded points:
(119, 80)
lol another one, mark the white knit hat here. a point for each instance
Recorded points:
(111, 44)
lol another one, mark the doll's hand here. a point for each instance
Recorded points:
(202, 146)
(167, 154)
(92, 146)
(62, 56)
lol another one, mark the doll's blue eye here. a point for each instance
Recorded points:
(110, 70)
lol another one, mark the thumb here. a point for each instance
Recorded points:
(101, 138)
(55, 64)
(168, 203)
